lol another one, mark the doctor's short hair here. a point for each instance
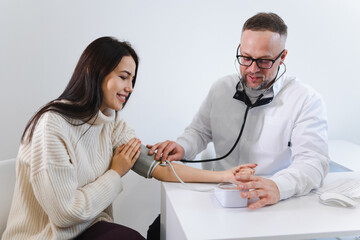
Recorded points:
(266, 22)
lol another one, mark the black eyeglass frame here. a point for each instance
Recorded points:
(256, 60)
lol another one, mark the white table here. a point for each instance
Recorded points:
(194, 215)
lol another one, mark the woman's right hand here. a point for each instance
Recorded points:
(125, 156)
(244, 169)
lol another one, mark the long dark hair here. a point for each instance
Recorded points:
(84, 94)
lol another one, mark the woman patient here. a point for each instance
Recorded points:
(76, 149)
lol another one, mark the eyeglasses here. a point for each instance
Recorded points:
(261, 63)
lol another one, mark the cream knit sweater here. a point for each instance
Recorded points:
(63, 183)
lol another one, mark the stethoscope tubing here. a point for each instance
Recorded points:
(230, 151)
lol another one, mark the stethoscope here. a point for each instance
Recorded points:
(242, 96)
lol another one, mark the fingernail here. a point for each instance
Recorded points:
(244, 195)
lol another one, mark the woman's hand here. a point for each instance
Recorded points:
(125, 156)
(244, 169)
(247, 169)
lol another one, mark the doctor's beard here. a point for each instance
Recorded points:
(262, 85)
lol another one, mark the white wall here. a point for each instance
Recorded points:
(184, 46)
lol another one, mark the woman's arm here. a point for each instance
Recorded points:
(68, 192)
(191, 174)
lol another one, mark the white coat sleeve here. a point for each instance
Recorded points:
(198, 134)
(310, 159)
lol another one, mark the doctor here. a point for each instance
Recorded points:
(285, 129)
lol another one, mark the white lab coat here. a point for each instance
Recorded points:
(287, 138)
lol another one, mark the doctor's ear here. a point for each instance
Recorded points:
(283, 56)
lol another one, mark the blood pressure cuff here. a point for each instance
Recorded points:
(145, 164)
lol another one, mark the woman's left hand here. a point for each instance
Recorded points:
(125, 156)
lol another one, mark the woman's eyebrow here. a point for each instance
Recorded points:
(126, 72)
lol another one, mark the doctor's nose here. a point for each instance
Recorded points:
(254, 67)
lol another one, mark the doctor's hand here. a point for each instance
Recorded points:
(125, 156)
(168, 150)
(259, 187)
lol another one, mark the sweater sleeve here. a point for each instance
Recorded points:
(55, 184)
(122, 132)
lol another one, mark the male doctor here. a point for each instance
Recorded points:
(285, 131)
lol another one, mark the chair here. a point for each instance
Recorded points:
(127, 208)
(7, 183)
